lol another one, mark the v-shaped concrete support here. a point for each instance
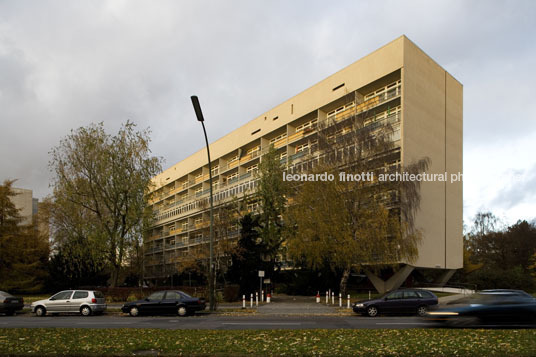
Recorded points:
(393, 282)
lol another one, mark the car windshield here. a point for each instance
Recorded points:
(185, 295)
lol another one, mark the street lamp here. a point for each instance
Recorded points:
(199, 114)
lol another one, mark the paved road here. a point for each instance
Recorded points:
(215, 322)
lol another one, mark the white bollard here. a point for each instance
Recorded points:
(327, 297)
(340, 300)
(262, 295)
(251, 301)
(332, 298)
(318, 297)
(348, 301)
(268, 296)
(243, 301)
(256, 299)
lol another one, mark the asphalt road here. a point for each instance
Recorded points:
(213, 322)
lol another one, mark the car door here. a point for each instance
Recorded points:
(78, 298)
(169, 304)
(410, 302)
(153, 303)
(392, 302)
(59, 302)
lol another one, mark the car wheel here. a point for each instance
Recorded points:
(40, 311)
(422, 310)
(372, 311)
(181, 311)
(85, 311)
(133, 311)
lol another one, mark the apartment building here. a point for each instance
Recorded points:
(398, 83)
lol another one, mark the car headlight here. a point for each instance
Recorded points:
(443, 313)
(359, 305)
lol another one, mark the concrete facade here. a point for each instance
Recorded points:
(397, 82)
(23, 200)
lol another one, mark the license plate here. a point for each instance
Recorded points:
(15, 301)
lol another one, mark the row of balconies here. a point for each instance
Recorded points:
(352, 110)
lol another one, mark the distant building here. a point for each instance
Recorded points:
(24, 201)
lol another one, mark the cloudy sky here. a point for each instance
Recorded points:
(65, 64)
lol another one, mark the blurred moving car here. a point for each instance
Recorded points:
(165, 302)
(403, 301)
(499, 307)
(84, 302)
(10, 304)
(510, 291)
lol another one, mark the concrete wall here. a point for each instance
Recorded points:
(432, 127)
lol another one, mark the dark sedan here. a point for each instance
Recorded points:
(10, 304)
(488, 308)
(165, 302)
(404, 301)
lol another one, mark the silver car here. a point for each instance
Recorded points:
(84, 302)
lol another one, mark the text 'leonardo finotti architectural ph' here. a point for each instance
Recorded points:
(398, 83)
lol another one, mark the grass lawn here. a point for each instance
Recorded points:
(409, 342)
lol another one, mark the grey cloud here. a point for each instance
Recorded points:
(66, 64)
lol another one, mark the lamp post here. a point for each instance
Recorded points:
(199, 114)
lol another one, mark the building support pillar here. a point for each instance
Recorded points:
(444, 278)
(393, 282)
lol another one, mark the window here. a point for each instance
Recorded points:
(253, 207)
(173, 295)
(80, 295)
(306, 125)
(199, 175)
(253, 150)
(159, 295)
(215, 170)
(232, 176)
(98, 294)
(233, 159)
(198, 190)
(283, 155)
(277, 138)
(252, 168)
(424, 294)
(302, 147)
(64, 295)
(410, 295)
(395, 295)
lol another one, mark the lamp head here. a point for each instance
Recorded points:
(197, 108)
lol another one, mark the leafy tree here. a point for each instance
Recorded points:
(99, 192)
(247, 258)
(349, 224)
(23, 249)
(271, 192)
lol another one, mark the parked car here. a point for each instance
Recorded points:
(84, 302)
(403, 301)
(165, 302)
(485, 308)
(10, 304)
